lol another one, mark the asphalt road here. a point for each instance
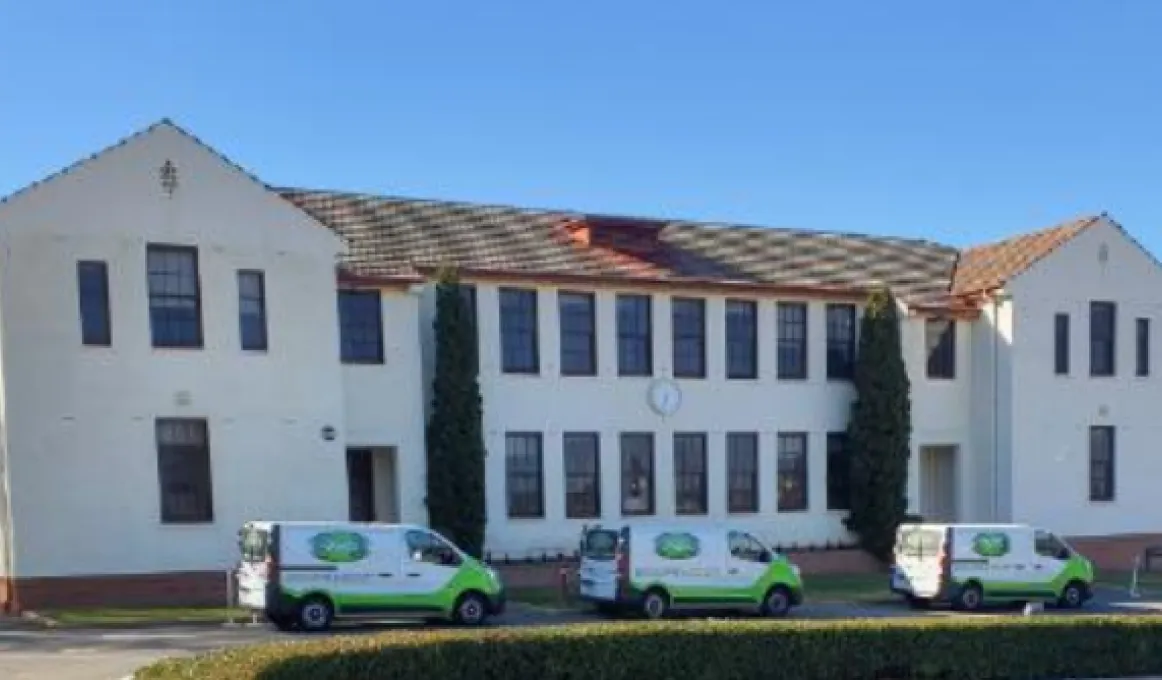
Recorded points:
(113, 654)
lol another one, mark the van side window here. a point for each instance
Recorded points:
(1048, 545)
(745, 547)
(426, 547)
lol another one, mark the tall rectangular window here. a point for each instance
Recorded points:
(578, 321)
(742, 343)
(468, 299)
(175, 298)
(840, 342)
(637, 473)
(519, 348)
(792, 471)
(183, 467)
(523, 474)
(690, 493)
(689, 336)
(838, 472)
(742, 472)
(792, 317)
(582, 475)
(634, 335)
(1103, 321)
(252, 309)
(940, 339)
(93, 292)
(360, 327)
(1142, 328)
(1061, 343)
(1102, 450)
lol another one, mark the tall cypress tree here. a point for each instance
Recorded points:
(455, 439)
(880, 430)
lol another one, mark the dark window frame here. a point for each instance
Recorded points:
(688, 336)
(585, 332)
(650, 472)
(1103, 339)
(173, 456)
(742, 473)
(532, 503)
(590, 500)
(742, 340)
(940, 342)
(160, 315)
(516, 360)
(95, 332)
(1102, 464)
(260, 324)
(468, 299)
(1142, 347)
(359, 326)
(792, 337)
(691, 474)
(838, 471)
(636, 339)
(841, 341)
(799, 472)
(1061, 343)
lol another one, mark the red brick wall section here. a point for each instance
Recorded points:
(190, 588)
(1117, 553)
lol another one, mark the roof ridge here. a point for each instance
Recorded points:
(1088, 219)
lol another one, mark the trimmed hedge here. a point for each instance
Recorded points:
(960, 648)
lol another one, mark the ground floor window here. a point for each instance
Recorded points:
(792, 471)
(742, 472)
(1101, 463)
(183, 465)
(690, 474)
(582, 475)
(838, 472)
(637, 473)
(524, 474)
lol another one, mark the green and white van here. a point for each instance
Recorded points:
(971, 565)
(301, 575)
(655, 568)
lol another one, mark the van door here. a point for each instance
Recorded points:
(429, 563)
(747, 562)
(919, 570)
(255, 544)
(1050, 559)
(600, 557)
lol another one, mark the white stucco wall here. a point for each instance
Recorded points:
(81, 438)
(1052, 414)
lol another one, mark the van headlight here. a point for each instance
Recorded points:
(494, 576)
(795, 570)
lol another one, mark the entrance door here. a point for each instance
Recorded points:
(938, 501)
(361, 485)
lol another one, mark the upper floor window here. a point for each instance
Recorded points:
(578, 333)
(840, 342)
(518, 331)
(634, 335)
(183, 466)
(1102, 450)
(252, 309)
(1103, 321)
(175, 298)
(792, 317)
(468, 299)
(360, 327)
(1061, 344)
(1143, 347)
(93, 293)
(742, 346)
(689, 321)
(940, 339)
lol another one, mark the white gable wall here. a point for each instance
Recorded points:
(1051, 414)
(80, 435)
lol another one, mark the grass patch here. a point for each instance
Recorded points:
(847, 588)
(546, 598)
(109, 616)
(1149, 584)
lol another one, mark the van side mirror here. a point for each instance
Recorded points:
(1063, 554)
(765, 557)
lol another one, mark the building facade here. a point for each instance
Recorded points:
(184, 348)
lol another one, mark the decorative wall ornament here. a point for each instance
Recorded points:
(168, 174)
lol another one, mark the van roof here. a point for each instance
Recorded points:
(332, 523)
(965, 525)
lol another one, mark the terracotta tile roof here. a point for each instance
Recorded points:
(986, 267)
(390, 237)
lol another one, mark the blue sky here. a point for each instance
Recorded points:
(959, 121)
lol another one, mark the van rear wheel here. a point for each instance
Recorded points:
(970, 598)
(655, 604)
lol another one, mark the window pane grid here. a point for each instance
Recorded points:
(1102, 339)
(840, 342)
(742, 472)
(183, 461)
(690, 493)
(175, 308)
(518, 331)
(792, 340)
(93, 293)
(524, 479)
(634, 335)
(360, 327)
(582, 475)
(689, 337)
(792, 471)
(578, 334)
(637, 474)
(1061, 344)
(741, 339)
(252, 310)
(1101, 463)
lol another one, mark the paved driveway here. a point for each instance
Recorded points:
(110, 655)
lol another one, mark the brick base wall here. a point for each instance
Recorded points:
(1116, 553)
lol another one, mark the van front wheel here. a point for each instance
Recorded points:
(777, 602)
(471, 610)
(1072, 596)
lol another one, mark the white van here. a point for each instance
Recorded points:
(970, 565)
(655, 568)
(304, 574)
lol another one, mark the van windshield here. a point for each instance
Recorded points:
(600, 544)
(254, 544)
(918, 542)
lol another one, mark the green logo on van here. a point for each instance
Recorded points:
(339, 546)
(991, 545)
(676, 546)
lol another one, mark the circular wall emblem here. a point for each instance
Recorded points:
(665, 397)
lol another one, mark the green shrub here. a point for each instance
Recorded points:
(960, 648)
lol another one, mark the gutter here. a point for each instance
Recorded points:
(9, 556)
(996, 411)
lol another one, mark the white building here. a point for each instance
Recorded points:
(173, 362)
